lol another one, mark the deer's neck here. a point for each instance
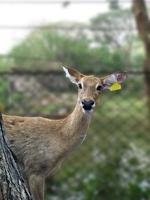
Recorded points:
(77, 123)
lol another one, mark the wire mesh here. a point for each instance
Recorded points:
(114, 159)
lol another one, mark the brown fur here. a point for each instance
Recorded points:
(40, 144)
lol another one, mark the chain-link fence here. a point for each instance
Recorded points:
(113, 162)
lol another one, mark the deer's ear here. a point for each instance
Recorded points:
(109, 80)
(73, 74)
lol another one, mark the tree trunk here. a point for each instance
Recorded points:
(12, 184)
(143, 27)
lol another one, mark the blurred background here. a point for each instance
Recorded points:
(97, 37)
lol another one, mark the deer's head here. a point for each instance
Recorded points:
(89, 87)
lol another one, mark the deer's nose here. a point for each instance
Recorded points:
(88, 103)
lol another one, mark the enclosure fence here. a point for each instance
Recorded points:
(114, 158)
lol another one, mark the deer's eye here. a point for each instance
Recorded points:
(99, 88)
(80, 86)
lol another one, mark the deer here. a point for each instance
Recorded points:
(41, 144)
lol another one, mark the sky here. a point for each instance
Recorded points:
(37, 14)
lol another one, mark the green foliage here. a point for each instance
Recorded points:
(45, 47)
(115, 48)
(115, 165)
(41, 48)
(106, 59)
(6, 63)
(3, 94)
(114, 17)
(125, 49)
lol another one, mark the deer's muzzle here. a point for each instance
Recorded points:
(87, 104)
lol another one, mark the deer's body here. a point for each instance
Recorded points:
(40, 144)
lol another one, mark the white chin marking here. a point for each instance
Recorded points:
(87, 111)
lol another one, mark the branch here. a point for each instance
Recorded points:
(12, 184)
(142, 20)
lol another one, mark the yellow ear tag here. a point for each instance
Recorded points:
(115, 86)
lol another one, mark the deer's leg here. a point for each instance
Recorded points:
(37, 185)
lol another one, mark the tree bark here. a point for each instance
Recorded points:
(143, 27)
(12, 184)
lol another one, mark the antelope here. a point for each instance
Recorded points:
(40, 144)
